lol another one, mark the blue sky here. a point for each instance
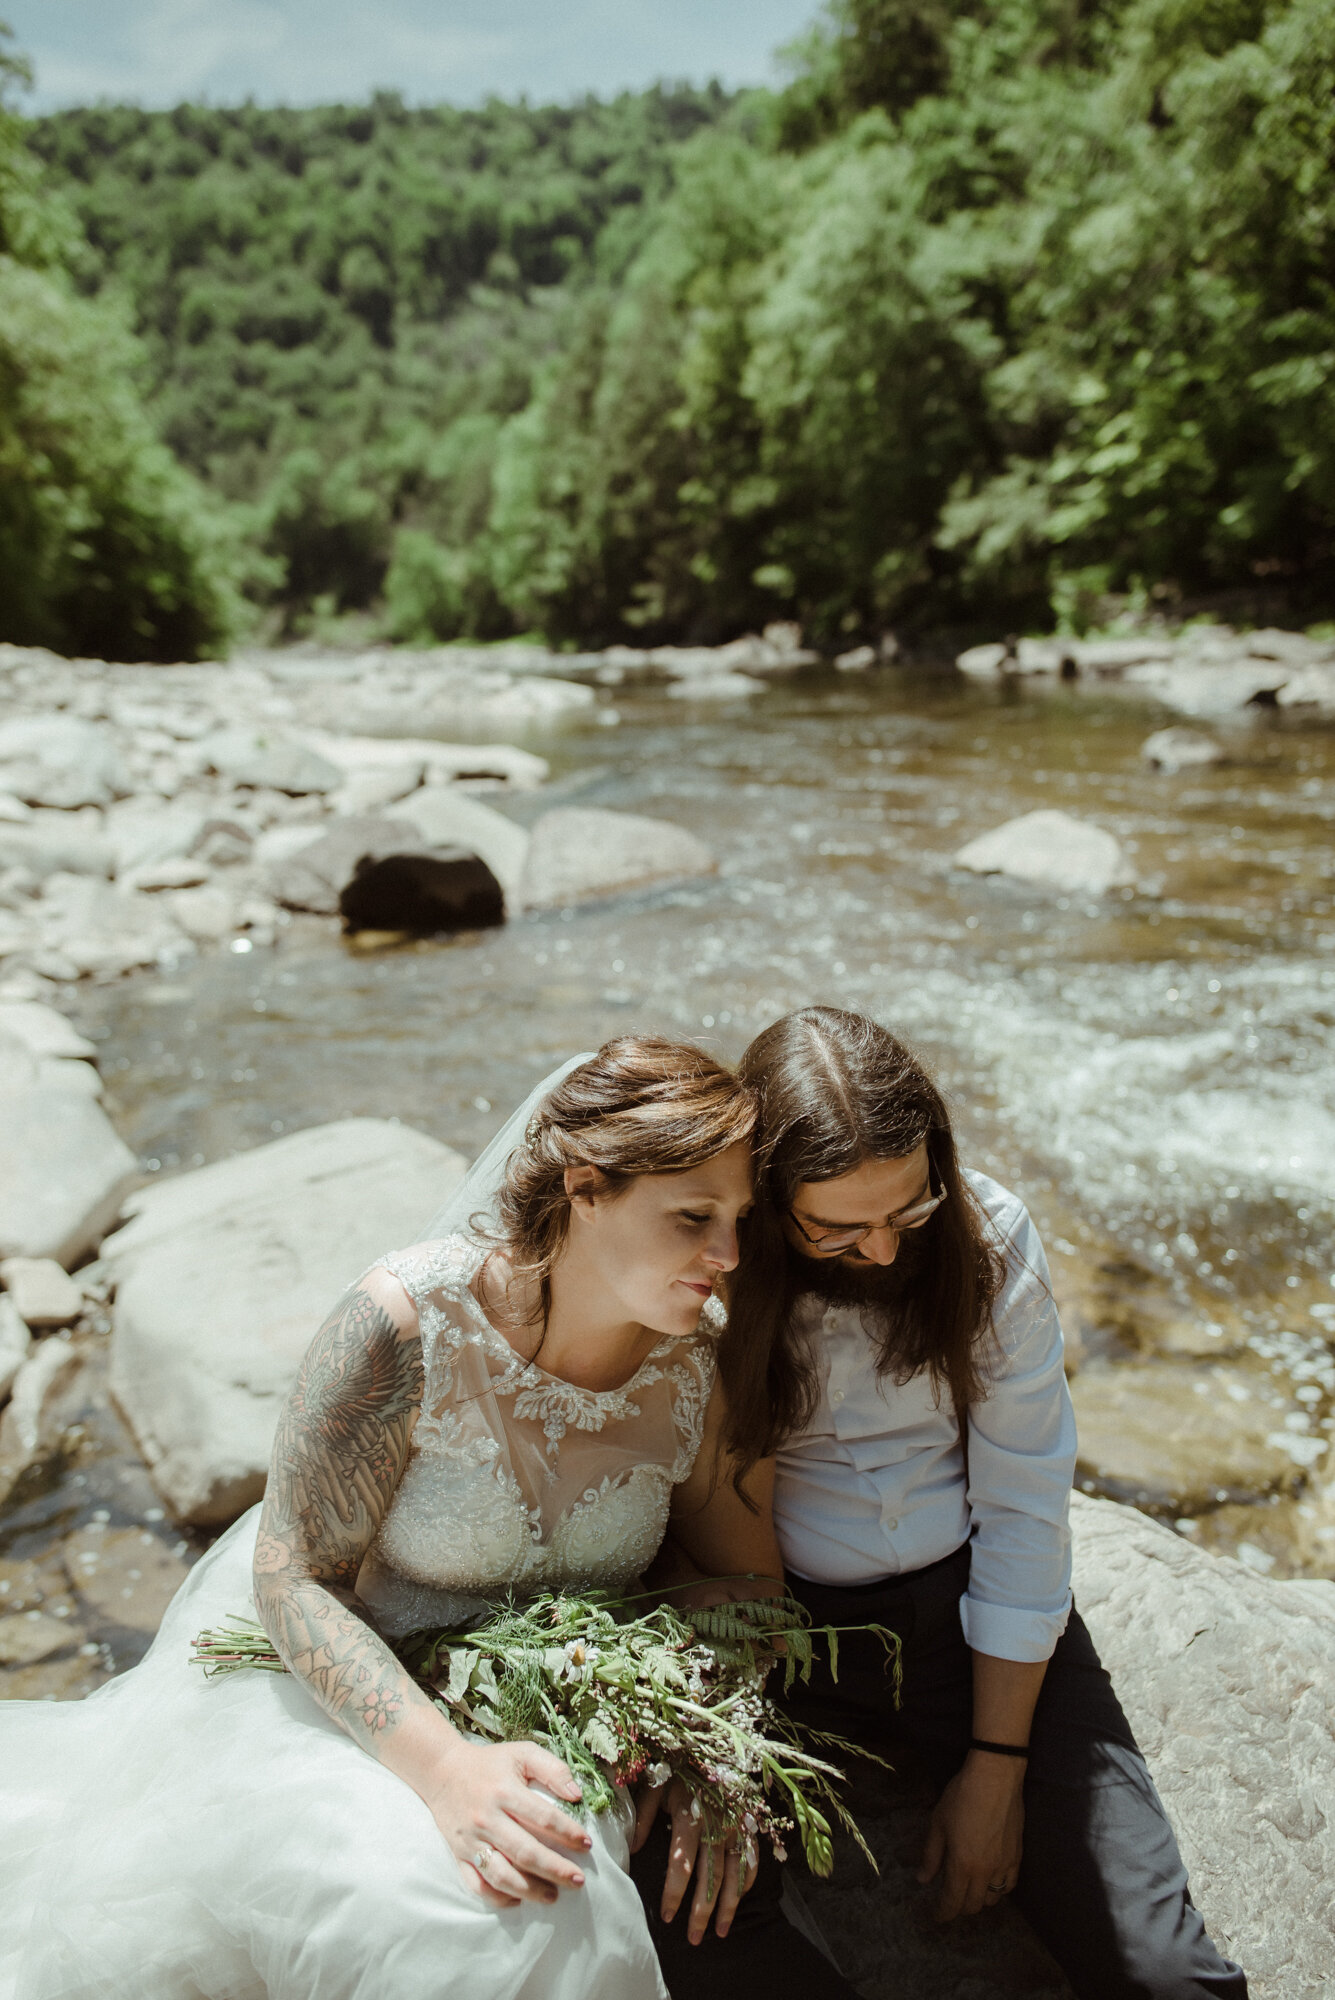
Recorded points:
(156, 52)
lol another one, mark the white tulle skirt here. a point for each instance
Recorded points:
(177, 1838)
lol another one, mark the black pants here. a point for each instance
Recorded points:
(1101, 1882)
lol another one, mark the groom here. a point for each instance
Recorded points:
(925, 1445)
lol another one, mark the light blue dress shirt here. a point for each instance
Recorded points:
(875, 1485)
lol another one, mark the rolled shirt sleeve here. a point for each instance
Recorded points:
(1022, 1446)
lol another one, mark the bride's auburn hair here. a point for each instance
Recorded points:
(642, 1105)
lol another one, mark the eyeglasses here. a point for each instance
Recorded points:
(829, 1242)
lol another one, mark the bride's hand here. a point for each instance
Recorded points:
(505, 1836)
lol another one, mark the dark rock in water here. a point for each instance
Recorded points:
(445, 890)
(380, 874)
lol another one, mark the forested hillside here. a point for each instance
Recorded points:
(342, 307)
(1000, 306)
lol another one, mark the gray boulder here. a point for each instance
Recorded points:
(984, 662)
(1180, 749)
(44, 1030)
(1209, 687)
(60, 760)
(1227, 1678)
(269, 759)
(411, 761)
(445, 817)
(379, 874)
(223, 1277)
(48, 1391)
(577, 853)
(1052, 849)
(144, 834)
(50, 843)
(104, 931)
(63, 1170)
(1310, 687)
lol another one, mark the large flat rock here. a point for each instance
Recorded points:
(1226, 1678)
(63, 1169)
(577, 853)
(223, 1277)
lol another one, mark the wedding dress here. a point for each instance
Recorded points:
(180, 1838)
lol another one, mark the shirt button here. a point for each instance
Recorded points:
(891, 1521)
(836, 1399)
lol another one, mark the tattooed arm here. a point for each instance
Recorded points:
(340, 1451)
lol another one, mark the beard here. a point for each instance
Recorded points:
(886, 1294)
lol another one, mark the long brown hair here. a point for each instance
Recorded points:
(836, 1090)
(642, 1105)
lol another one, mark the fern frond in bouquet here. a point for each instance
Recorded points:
(625, 1695)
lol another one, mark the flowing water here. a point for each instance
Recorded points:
(1152, 1070)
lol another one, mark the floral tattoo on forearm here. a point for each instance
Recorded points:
(341, 1447)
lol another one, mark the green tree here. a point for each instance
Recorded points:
(105, 545)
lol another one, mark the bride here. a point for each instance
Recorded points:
(518, 1403)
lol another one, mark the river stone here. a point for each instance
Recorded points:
(15, 1343)
(445, 817)
(29, 1636)
(223, 1276)
(983, 662)
(379, 874)
(1050, 848)
(1182, 1436)
(105, 931)
(269, 759)
(63, 1170)
(51, 843)
(717, 687)
(44, 1030)
(1179, 749)
(580, 852)
(422, 759)
(1110, 657)
(126, 1574)
(40, 1408)
(43, 1292)
(1311, 687)
(60, 760)
(1226, 1678)
(1203, 687)
(144, 835)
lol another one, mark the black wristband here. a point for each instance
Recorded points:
(1000, 1749)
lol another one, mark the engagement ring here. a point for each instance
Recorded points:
(480, 1860)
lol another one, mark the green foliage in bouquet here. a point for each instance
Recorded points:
(624, 1696)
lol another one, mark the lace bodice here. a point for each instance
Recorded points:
(516, 1479)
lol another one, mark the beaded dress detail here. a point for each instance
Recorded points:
(518, 1480)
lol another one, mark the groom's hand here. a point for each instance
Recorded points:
(976, 1836)
(723, 1873)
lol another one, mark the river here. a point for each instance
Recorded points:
(1152, 1070)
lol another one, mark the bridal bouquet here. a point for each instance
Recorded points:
(623, 1696)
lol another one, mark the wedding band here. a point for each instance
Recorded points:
(1002, 1888)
